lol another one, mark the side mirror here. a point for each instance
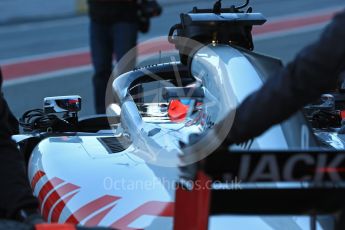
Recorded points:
(62, 104)
(114, 110)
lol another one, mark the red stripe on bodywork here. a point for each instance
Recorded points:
(36, 178)
(55, 196)
(90, 208)
(47, 187)
(94, 221)
(55, 227)
(56, 213)
(154, 208)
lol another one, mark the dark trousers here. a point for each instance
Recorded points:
(106, 41)
(15, 192)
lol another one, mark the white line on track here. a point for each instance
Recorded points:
(49, 24)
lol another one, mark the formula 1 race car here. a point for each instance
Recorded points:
(123, 169)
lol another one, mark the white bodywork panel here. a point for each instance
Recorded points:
(138, 195)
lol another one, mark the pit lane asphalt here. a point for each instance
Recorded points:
(36, 38)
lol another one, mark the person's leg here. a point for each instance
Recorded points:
(101, 53)
(12, 120)
(125, 39)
